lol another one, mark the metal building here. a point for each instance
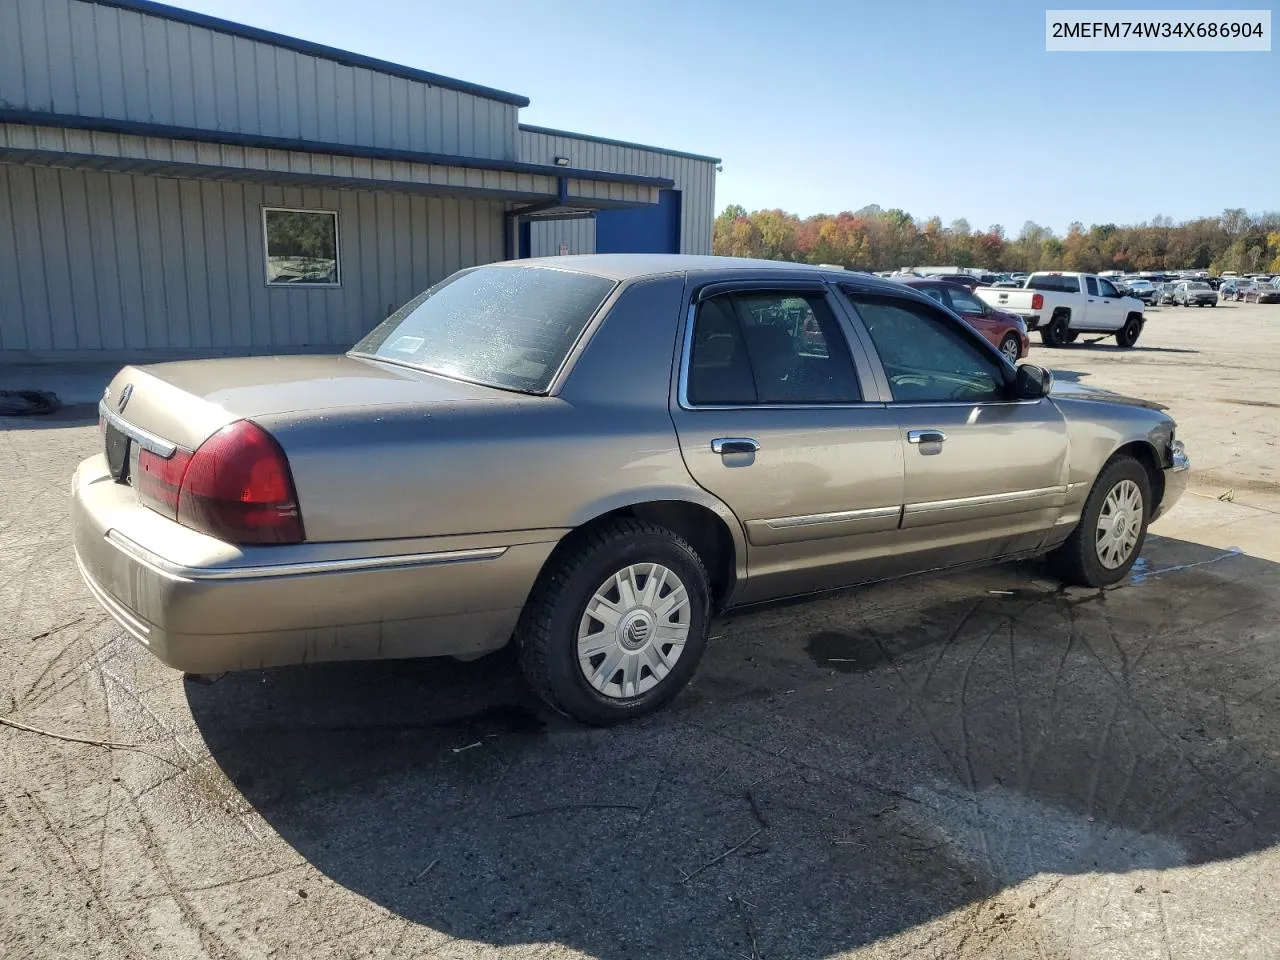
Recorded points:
(172, 184)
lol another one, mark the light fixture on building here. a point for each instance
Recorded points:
(562, 161)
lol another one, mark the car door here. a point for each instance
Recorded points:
(781, 420)
(1110, 305)
(984, 472)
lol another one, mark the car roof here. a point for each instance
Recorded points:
(632, 266)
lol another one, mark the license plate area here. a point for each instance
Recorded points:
(117, 450)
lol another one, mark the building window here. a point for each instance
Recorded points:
(302, 247)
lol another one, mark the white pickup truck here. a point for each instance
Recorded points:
(1064, 305)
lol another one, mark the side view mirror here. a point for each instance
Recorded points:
(1032, 382)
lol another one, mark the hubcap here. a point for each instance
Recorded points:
(633, 630)
(1011, 350)
(1119, 524)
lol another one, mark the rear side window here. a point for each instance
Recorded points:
(774, 348)
(926, 359)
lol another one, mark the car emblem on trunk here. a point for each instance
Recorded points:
(125, 394)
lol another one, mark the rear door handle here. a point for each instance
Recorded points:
(727, 445)
(926, 436)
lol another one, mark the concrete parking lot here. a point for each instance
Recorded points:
(976, 765)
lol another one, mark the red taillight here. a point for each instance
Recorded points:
(236, 487)
(1037, 301)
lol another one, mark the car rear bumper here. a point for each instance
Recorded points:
(1176, 476)
(204, 606)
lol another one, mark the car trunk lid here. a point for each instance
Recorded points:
(184, 403)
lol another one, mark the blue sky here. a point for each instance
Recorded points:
(944, 108)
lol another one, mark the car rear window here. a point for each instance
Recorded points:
(1054, 282)
(505, 327)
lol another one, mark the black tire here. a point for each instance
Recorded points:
(1011, 347)
(547, 633)
(1076, 561)
(1071, 337)
(1055, 333)
(1128, 335)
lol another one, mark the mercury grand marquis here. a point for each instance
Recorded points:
(590, 457)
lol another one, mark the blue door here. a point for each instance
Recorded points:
(647, 229)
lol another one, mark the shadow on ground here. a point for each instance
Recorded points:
(69, 415)
(872, 760)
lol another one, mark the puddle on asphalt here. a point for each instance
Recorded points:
(845, 652)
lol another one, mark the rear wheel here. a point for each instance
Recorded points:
(1128, 335)
(1055, 334)
(1112, 528)
(1011, 347)
(617, 622)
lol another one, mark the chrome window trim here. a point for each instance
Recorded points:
(145, 439)
(935, 506)
(869, 513)
(964, 403)
(178, 571)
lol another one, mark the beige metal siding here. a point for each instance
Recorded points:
(106, 263)
(75, 57)
(545, 236)
(695, 179)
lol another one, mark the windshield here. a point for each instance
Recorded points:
(506, 327)
(1198, 286)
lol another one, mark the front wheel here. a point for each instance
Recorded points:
(1128, 335)
(1112, 528)
(1011, 347)
(617, 622)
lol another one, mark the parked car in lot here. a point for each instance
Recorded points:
(966, 280)
(592, 455)
(1262, 293)
(1005, 331)
(1194, 293)
(1232, 289)
(1166, 293)
(1143, 290)
(1064, 305)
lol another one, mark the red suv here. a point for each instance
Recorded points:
(1006, 330)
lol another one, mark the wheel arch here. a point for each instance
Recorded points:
(1145, 453)
(706, 522)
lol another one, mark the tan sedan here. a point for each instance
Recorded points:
(591, 456)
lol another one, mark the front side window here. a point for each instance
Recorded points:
(301, 247)
(1107, 289)
(771, 348)
(505, 327)
(926, 359)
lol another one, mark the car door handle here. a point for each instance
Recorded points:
(926, 436)
(727, 445)
(1091, 299)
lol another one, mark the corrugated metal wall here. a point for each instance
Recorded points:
(74, 57)
(695, 179)
(93, 262)
(545, 236)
